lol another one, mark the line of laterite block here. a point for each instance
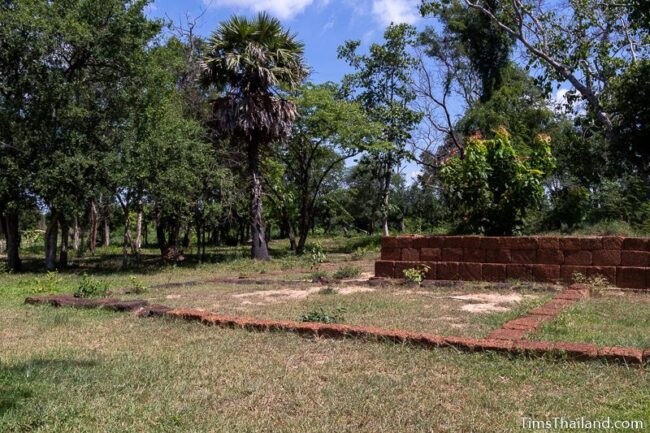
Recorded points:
(338, 331)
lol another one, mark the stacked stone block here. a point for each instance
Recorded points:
(624, 262)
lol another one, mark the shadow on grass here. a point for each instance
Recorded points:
(17, 382)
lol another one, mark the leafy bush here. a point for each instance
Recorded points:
(329, 290)
(347, 272)
(597, 282)
(91, 287)
(318, 275)
(492, 188)
(137, 286)
(317, 255)
(359, 253)
(47, 283)
(416, 275)
(321, 316)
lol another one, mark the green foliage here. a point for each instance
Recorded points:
(317, 255)
(417, 274)
(48, 283)
(347, 272)
(318, 275)
(492, 189)
(329, 290)
(137, 287)
(322, 316)
(90, 287)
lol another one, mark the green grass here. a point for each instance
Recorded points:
(608, 321)
(66, 370)
(97, 371)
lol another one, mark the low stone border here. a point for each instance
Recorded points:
(578, 351)
(518, 328)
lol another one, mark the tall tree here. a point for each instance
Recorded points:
(252, 62)
(382, 85)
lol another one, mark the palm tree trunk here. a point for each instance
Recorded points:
(259, 250)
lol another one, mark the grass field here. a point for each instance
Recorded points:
(65, 370)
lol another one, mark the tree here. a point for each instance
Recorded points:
(585, 44)
(382, 85)
(252, 62)
(329, 131)
(492, 189)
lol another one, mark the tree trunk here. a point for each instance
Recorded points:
(12, 235)
(160, 232)
(51, 238)
(138, 231)
(384, 200)
(63, 251)
(76, 237)
(106, 232)
(92, 231)
(259, 250)
(292, 235)
(126, 240)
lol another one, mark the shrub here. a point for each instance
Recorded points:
(137, 286)
(416, 275)
(47, 283)
(91, 287)
(492, 188)
(317, 255)
(329, 290)
(321, 316)
(597, 282)
(318, 276)
(347, 272)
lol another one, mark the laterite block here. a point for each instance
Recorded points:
(494, 272)
(631, 278)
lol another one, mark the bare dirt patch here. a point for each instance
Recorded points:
(261, 297)
(488, 302)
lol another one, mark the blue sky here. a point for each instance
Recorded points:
(322, 25)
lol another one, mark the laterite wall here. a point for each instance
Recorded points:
(625, 262)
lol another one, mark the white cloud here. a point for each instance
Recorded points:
(396, 11)
(283, 9)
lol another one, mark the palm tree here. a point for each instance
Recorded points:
(253, 62)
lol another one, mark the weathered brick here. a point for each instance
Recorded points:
(404, 241)
(606, 257)
(498, 256)
(410, 254)
(420, 242)
(591, 243)
(549, 273)
(523, 256)
(578, 350)
(613, 242)
(508, 334)
(476, 255)
(497, 345)
(435, 241)
(452, 254)
(490, 243)
(519, 272)
(494, 272)
(635, 258)
(568, 272)
(624, 354)
(607, 272)
(389, 242)
(452, 242)
(385, 269)
(635, 244)
(631, 278)
(533, 347)
(570, 244)
(389, 253)
(527, 322)
(471, 242)
(522, 243)
(581, 257)
(548, 242)
(465, 343)
(550, 257)
(431, 254)
(470, 271)
(447, 271)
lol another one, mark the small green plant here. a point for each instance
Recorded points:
(359, 253)
(47, 283)
(91, 287)
(321, 316)
(317, 255)
(137, 286)
(417, 274)
(597, 282)
(329, 290)
(347, 272)
(318, 276)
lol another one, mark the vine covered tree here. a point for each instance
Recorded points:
(253, 62)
